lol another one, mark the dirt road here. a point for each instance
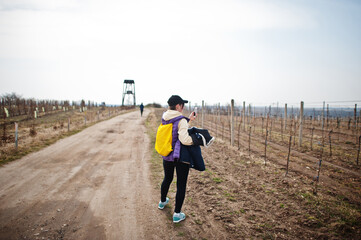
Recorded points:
(92, 185)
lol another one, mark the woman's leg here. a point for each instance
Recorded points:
(168, 178)
(182, 176)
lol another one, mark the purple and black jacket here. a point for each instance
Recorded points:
(176, 144)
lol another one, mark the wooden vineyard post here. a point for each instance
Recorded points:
(265, 148)
(265, 142)
(254, 122)
(239, 132)
(327, 114)
(244, 116)
(268, 120)
(290, 143)
(232, 122)
(219, 114)
(254, 119)
(68, 124)
(211, 120)
(249, 115)
(249, 140)
(329, 138)
(301, 126)
(289, 152)
(355, 120)
(358, 152)
(313, 118)
(323, 116)
(262, 124)
(282, 130)
(270, 134)
(294, 131)
(205, 113)
(229, 130)
(85, 120)
(202, 114)
(222, 130)
(285, 117)
(16, 136)
(3, 137)
(217, 120)
(215, 116)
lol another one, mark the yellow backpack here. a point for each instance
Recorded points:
(163, 141)
(164, 138)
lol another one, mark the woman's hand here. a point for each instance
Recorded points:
(192, 116)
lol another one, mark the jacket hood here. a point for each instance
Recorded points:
(169, 114)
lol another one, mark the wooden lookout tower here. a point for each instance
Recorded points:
(128, 91)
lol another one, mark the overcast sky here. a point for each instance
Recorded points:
(261, 52)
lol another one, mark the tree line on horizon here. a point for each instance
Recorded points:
(12, 105)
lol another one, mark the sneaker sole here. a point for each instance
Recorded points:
(161, 208)
(178, 220)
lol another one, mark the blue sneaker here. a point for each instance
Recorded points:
(177, 217)
(161, 204)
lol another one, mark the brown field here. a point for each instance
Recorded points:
(241, 197)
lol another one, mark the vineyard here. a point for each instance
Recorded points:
(272, 173)
(276, 175)
(334, 138)
(296, 142)
(27, 125)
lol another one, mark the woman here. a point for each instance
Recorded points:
(176, 106)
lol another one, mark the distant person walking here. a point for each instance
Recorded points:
(174, 114)
(141, 109)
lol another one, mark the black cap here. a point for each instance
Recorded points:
(175, 99)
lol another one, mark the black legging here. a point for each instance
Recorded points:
(182, 170)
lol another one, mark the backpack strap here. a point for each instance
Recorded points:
(173, 120)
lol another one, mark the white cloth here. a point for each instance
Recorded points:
(183, 135)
